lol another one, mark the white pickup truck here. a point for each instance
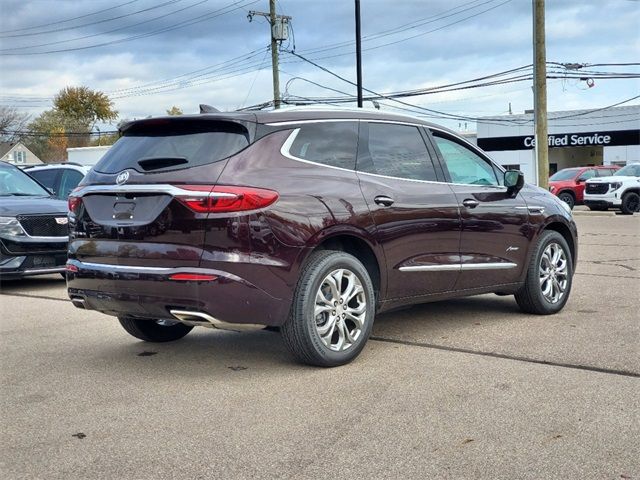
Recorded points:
(621, 190)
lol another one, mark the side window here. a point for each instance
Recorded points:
(464, 165)
(397, 151)
(587, 174)
(46, 177)
(604, 172)
(329, 143)
(70, 180)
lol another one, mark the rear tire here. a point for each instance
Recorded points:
(332, 312)
(151, 331)
(630, 203)
(549, 276)
(568, 199)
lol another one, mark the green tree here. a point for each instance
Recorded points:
(84, 107)
(175, 111)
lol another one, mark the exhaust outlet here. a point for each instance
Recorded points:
(201, 319)
(78, 302)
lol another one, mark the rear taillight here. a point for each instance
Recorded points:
(74, 204)
(221, 199)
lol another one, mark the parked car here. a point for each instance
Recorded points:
(311, 221)
(568, 184)
(60, 178)
(33, 226)
(620, 190)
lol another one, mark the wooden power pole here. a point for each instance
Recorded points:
(358, 53)
(279, 32)
(540, 94)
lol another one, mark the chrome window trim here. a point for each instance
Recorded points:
(319, 120)
(459, 267)
(284, 150)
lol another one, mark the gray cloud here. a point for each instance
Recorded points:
(578, 31)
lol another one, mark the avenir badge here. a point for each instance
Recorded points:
(122, 177)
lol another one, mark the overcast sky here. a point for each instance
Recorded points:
(186, 52)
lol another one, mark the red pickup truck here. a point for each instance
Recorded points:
(568, 183)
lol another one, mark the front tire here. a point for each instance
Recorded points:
(153, 330)
(630, 203)
(333, 310)
(549, 276)
(568, 199)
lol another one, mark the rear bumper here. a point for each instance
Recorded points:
(148, 292)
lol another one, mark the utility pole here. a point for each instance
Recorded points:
(540, 94)
(279, 32)
(358, 54)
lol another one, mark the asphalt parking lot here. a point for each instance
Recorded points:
(460, 389)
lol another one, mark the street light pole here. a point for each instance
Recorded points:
(358, 54)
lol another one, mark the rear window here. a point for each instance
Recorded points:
(167, 145)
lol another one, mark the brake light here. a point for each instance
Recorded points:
(69, 267)
(220, 199)
(74, 204)
(192, 277)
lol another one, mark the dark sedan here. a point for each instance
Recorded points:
(33, 226)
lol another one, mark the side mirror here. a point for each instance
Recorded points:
(514, 181)
(580, 180)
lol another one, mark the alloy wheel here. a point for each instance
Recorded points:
(340, 309)
(554, 273)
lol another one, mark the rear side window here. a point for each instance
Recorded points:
(70, 180)
(46, 177)
(165, 145)
(604, 172)
(587, 174)
(397, 151)
(330, 143)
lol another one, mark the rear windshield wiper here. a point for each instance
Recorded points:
(155, 163)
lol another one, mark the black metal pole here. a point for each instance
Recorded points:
(358, 54)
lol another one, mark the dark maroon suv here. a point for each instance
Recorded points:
(309, 220)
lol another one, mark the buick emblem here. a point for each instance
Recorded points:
(122, 178)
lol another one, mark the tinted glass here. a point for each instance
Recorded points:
(587, 174)
(464, 165)
(329, 143)
(632, 170)
(14, 182)
(70, 180)
(397, 151)
(46, 177)
(169, 145)
(564, 174)
(604, 172)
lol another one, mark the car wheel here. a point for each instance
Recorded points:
(630, 203)
(568, 199)
(332, 312)
(154, 330)
(549, 276)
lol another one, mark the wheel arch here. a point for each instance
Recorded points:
(356, 244)
(564, 230)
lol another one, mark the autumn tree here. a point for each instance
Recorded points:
(76, 110)
(175, 111)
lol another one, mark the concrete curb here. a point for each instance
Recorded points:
(584, 213)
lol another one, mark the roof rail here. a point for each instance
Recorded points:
(43, 164)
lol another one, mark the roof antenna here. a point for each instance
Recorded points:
(376, 104)
(208, 109)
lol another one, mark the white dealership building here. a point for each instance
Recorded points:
(576, 138)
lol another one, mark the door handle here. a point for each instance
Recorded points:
(470, 203)
(383, 200)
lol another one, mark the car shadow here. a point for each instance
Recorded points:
(40, 282)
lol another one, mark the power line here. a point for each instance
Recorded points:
(109, 31)
(70, 19)
(97, 22)
(192, 21)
